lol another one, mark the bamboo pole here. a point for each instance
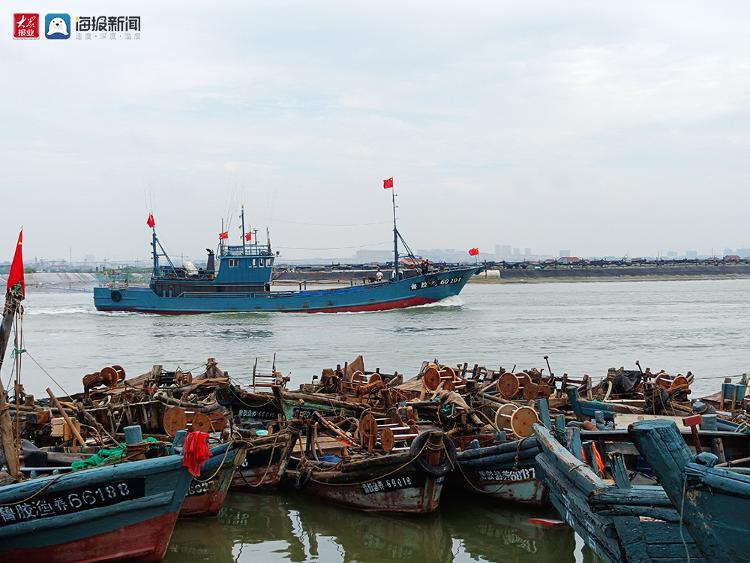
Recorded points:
(68, 421)
(7, 441)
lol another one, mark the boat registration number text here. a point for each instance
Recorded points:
(434, 282)
(71, 501)
(506, 475)
(393, 484)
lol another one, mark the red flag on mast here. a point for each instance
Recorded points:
(224, 235)
(473, 251)
(249, 236)
(388, 183)
(150, 221)
(15, 276)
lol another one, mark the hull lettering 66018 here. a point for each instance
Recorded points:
(71, 501)
(393, 484)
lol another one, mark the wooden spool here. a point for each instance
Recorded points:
(368, 427)
(519, 420)
(522, 420)
(387, 439)
(431, 377)
(174, 419)
(533, 391)
(510, 384)
(200, 423)
(502, 416)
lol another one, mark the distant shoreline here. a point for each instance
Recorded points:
(496, 280)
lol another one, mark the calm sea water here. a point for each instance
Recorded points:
(702, 326)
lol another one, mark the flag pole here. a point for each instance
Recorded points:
(395, 233)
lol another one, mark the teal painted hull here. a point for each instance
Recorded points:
(79, 509)
(713, 501)
(417, 290)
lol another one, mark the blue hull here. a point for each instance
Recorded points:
(79, 516)
(417, 290)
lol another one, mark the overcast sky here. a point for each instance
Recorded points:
(606, 128)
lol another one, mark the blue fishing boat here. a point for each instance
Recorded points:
(241, 281)
(207, 492)
(119, 512)
(505, 471)
(618, 518)
(712, 501)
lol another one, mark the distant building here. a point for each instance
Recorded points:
(671, 254)
(364, 255)
(503, 251)
(691, 254)
(728, 252)
(743, 252)
(527, 252)
(565, 253)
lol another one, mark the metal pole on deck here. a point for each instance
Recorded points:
(395, 233)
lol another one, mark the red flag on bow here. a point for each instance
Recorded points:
(248, 237)
(15, 276)
(150, 221)
(473, 251)
(387, 183)
(224, 235)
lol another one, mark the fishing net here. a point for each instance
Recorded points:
(105, 456)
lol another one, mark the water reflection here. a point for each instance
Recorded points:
(292, 527)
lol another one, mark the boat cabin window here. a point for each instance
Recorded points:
(233, 262)
(253, 264)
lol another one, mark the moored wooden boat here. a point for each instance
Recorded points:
(504, 471)
(265, 460)
(713, 501)
(120, 512)
(619, 520)
(404, 482)
(207, 493)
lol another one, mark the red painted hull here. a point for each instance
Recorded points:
(208, 504)
(145, 541)
(382, 306)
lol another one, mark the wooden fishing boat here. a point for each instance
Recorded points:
(380, 468)
(401, 483)
(207, 493)
(120, 512)
(505, 471)
(712, 501)
(266, 460)
(618, 519)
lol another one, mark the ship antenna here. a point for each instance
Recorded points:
(395, 233)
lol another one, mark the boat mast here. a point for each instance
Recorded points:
(242, 217)
(395, 233)
(154, 253)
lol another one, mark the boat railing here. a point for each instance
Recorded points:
(249, 251)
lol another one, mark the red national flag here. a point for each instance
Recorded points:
(387, 183)
(224, 235)
(15, 276)
(473, 251)
(150, 221)
(248, 237)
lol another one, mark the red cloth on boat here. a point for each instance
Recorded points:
(195, 452)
